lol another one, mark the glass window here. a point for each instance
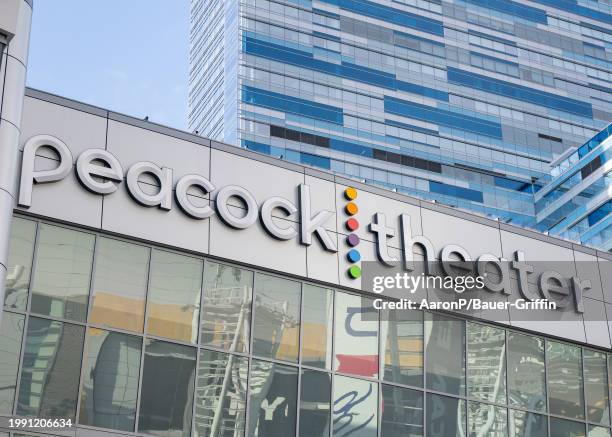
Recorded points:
(110, 380)
(355, 407)
(445, 349)
(166, 394)
(11, 332)
(51, 369)
(402, 339)
(564, 373)
(317, 318)
(523, 424)
(277, 318)
(228, 293)
(174, 296)
(445, 416)
(598, 431)
(273, 400)
(21, 251)
(402, 412)
(566, 428)
(526, 372)
(486, 363)
(120, 284)
(356, 336)
(63, 273)
(485, 419)
(221, 388)
(315, 398)
(596, 387)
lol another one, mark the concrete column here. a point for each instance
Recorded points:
(15, 21)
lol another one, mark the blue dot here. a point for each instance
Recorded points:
(353, 255)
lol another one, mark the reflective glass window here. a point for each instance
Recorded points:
(596, 387)
(119, 284)
(486, 363)
(445, 354)
(166, 394)
(564, 375)
(21, 251)
(51, 369)
(445, 416)
(598, 431)
(174, 296)
(402, 412)
(63, 273)
(221, 389)
(111, 369)
(226, 318)
(356, 336)
(486, 419)
(526, 372)
(355, 407)
(523, 424)
(315, 398)
(11, 332)
(277, 318)
(273, 400)
(317, 318)
(402, 342)
(566, 428)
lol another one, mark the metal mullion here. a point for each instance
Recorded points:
(332, 375)
(424, 414)
(197, 369)
(247, 403)
(465, 376)
(548, 415)
(298, 402)
(143, 342)
(584, 390)
(380, 375)
(26, 320)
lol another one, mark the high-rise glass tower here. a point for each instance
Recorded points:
(467, 102)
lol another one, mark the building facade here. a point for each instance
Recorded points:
(163, 284)
(465, 102)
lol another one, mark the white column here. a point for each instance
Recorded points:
(15, 20)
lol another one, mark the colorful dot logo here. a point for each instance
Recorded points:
(352, 240)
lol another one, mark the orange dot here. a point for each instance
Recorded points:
(350, 193)
(351, 208)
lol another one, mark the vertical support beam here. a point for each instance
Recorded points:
(15, 21)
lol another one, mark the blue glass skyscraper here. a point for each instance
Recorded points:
(466, 102)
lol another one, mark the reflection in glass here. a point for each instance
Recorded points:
(51, 369)
(273, 400)
(402, 412)
(564, 374)
(596, 387)
(226, 321)
(277, 318)
(356, 336)
(315, 399)
(526, 372)
(523, 424)
(402, 337)
(63, 271)
(120, 284)
(355, 407)
(317, 318)
(485, 419)
(221, 388)
(174, 296)
(566, 428)
(11, 332)
(110, 380)
(21, 251)
(598, 431)
(486, 363)
(445, 416)
(167, 389)
(445, 346)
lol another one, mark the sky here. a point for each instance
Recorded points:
(130, 56)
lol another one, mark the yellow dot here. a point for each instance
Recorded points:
(350, 193)
(351, 208)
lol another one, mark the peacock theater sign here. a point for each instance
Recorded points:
(101, 173)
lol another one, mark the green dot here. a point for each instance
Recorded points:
(354, 272)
